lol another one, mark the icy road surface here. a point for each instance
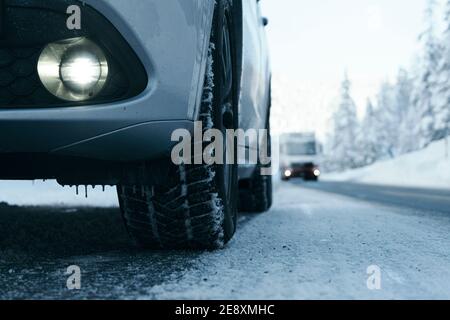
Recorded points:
(316, 243)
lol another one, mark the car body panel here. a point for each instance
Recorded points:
(171, 38)
(128, 144)
(256, 76)
(174, 66)
(256, 70)
(173, 54)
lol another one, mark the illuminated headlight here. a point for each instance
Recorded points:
(287, 173)
(316, 172)
(74, 69)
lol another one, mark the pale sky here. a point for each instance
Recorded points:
(313, 42)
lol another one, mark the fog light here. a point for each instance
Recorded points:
(288, 173)
(74, 69)
(80, 71)
(317, 172)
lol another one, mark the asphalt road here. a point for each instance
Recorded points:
(413, 198)
(316, 243)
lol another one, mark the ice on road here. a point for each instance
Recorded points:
(311, 245)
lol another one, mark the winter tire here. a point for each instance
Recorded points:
(196, 207)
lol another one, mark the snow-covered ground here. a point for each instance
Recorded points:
(37, 193)
(311, 245)
(428, 168)
(50, 193)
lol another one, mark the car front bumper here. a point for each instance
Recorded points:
(139, 128)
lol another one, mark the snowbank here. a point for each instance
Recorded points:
(429, 168)
(39, 193)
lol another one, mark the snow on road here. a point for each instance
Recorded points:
(314, 245)
(311, 245)
(427, 168)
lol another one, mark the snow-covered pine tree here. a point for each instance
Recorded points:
(404, 117)
(368, 135)
(424, 93)
(386, 126)
(344, 149)
(403, 91)
(442, 98)
(409, 140)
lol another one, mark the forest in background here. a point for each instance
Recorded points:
(406, 115)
